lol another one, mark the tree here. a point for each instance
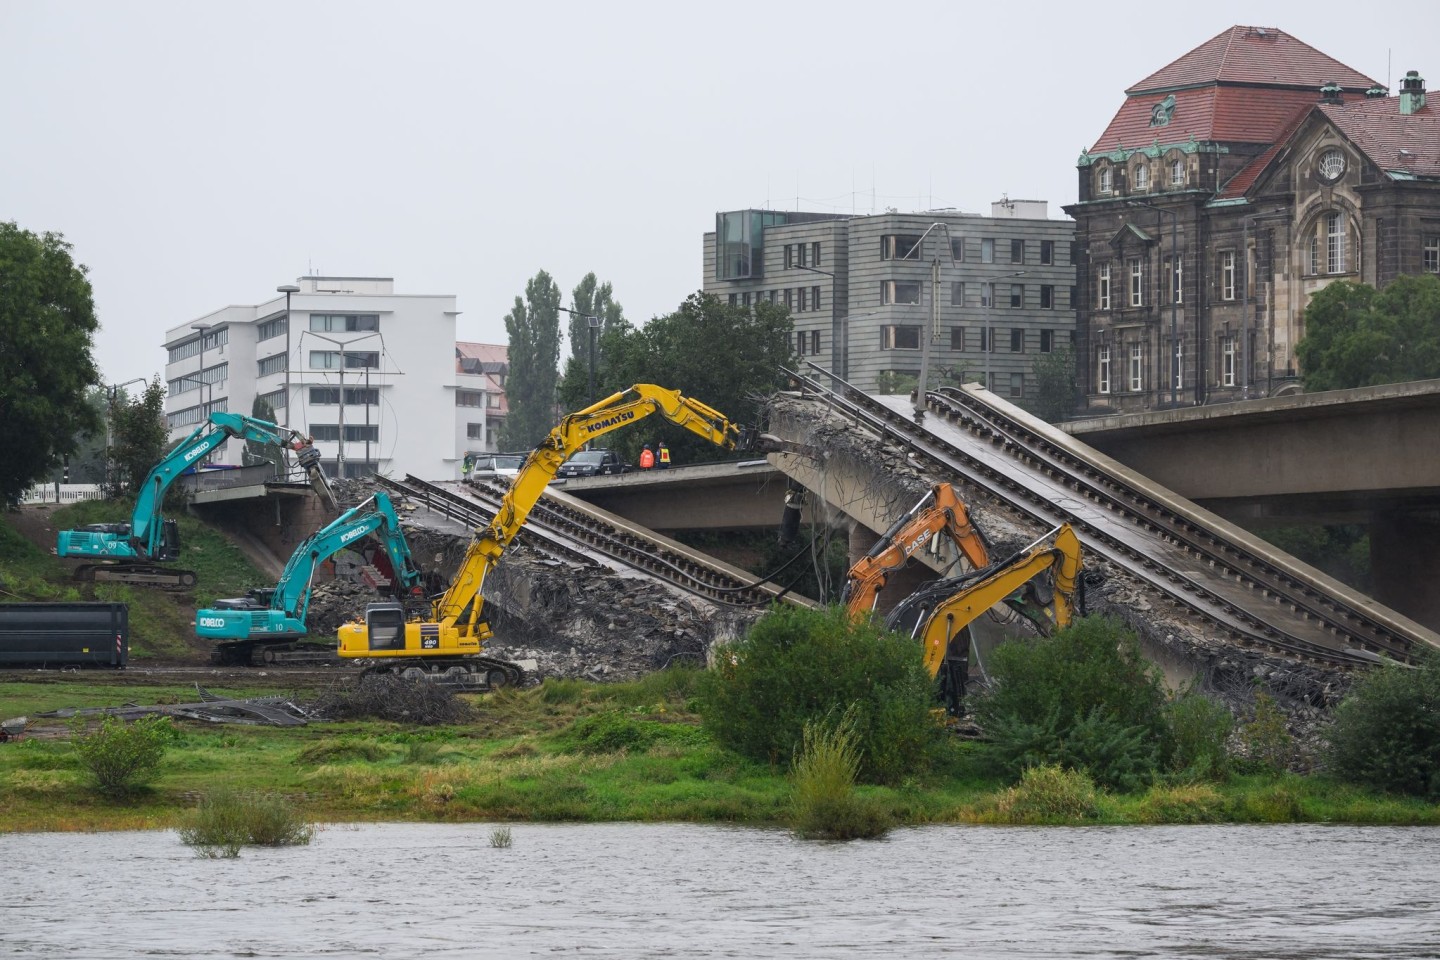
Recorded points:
(589, 298)
(47, 329)
(1057, 385)
(257, 452)
(140, 436)
(534, 329)
(87, 462)
(1386, 733)
(1357, 336)
(726, 357)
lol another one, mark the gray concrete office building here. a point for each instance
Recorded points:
(991, 294)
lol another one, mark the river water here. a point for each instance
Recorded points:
(683, 891)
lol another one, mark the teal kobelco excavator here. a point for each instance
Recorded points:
(136, 552)
(264, 625)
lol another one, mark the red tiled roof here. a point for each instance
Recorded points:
(1215, 113)
(487, 352)
(1254, 55)
(1392, 141)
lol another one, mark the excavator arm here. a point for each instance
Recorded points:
(939, 511)
(942, 611)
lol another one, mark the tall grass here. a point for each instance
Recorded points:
(227, 820)
(824, 804)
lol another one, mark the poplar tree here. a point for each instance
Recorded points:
(533, 326)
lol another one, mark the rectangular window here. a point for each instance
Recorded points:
(1017, 340)
(957, 293)
(275, 364)
(789, 255)
(900, 246)
(815, 254)
(894, 337)
(900, 291)
(957, 249)
(1017, 385)
(324, 396)
(815, 342)
(354, 359)
(354, 432)
(745, 299)
(469, 398)
(1175, 267)
(190, 348)
(1227, 361)
(1047, 341)
(475, 431)
(804, 298)
(1227, 275)
(1017, 251)
(1047, 252)
(1137, 282)
(1334, 243)
(1102, 371)
(1017, 294)
(986, 340)
(815, 298)
(1430, 255)
(270, 329)
(1102, 299)
(800, 259)
(1047, 297)
(957, 338)
(734, 299)
(1137, 369)
(1178, 372)
(790, 298)
(344, 322)
(773, 294)
(275, 398)
(987, 295)
(987, 250)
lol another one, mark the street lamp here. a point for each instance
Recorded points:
(287, 289)
(989, 333)
(1174, 305)
(342, 344)
(593, 322)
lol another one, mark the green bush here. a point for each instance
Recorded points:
(1386, 733)
(1266, 741)
(1184, 803)
(227, 820)
(124, 757)
(1045, 794)
(1082, 699)
(823, 803)
(1199, 728)
(796, 666)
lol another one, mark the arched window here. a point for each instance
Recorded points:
(1177, 173)
(1334, 226)
(1328, 245)
(1142, 176)
(1102, 179)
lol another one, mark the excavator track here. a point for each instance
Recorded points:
(464, 673)
(138, 574)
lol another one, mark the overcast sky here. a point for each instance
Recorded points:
(198, 154)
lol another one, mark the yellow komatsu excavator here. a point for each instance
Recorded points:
(1041, 582)
(447, 645)
(939, 511)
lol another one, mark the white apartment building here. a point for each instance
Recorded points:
(408, 406)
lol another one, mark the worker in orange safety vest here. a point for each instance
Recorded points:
(647, 458)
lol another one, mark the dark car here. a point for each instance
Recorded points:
(593, 463)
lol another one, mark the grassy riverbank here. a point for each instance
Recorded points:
(564, 751)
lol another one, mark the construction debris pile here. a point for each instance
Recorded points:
(390, 698)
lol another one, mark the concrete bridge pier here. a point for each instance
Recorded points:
(1404, 559)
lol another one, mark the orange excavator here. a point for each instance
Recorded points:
(939, 511)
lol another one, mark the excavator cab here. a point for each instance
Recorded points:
(169, 541)
(385, 624)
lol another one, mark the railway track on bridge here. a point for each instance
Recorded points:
(1231, 581)
(576, 536)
